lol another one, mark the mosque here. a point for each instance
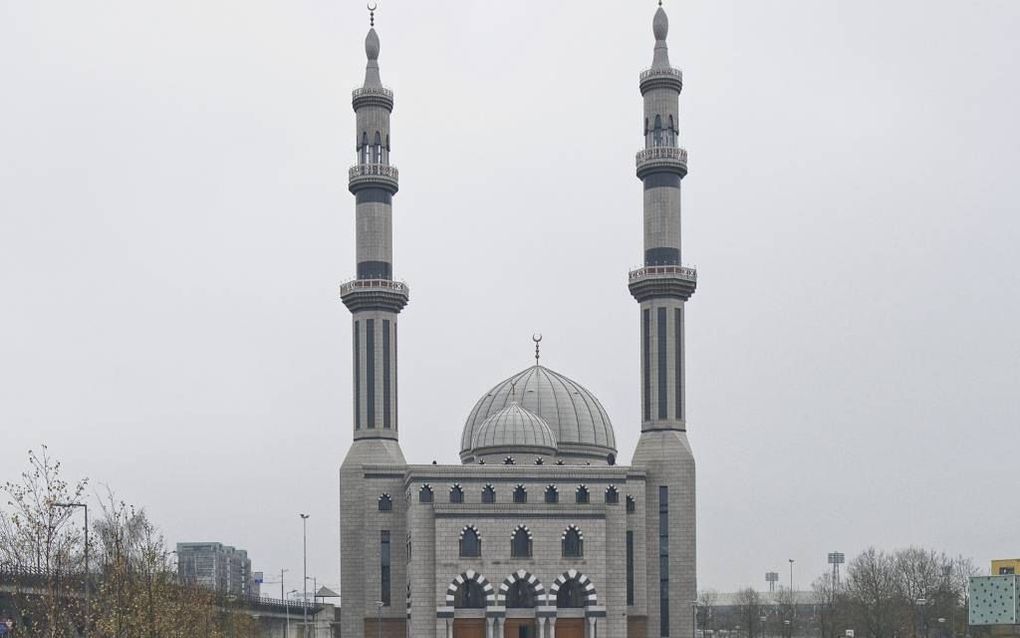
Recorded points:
(539, 532)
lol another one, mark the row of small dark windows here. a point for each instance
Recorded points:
(521, 595)
(571, 544)
(552, 495)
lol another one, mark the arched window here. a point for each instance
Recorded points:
(559, 462)
(470, 543)
(582, 495)
(470, 595)
(520, 542)
(425, 494)
(612, 496)
(385, 503)
(573, 543)
(489, 494)
(377, 148)
(539, 460)
(551, 495)
(520, 595)
(631, 505)
(570, 595)
(657, 135)
(509, 461)
(364, 147)
(456, 494)
(520, 494)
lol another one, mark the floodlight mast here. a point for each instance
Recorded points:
(836, 559)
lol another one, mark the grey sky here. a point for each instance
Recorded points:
(174, 221)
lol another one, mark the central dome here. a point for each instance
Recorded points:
(578, 421)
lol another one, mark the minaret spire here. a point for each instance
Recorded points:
(662, 288)
(373, 297)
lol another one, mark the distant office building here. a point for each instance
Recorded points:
(1006, 566)
(216, 566)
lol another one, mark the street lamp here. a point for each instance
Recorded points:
(304, 585)
(378, 618)
(694, 619)
(286, 609)
(85, 506)
(791, 574)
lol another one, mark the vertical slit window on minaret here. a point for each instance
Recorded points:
(678, 380)
(630, 568)
(646, 356)
(663, 561)
(663, 369)
(357, 377)
(386, 372)
(370, 372)
(384, 566)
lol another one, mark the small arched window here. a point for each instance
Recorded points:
(520, 494)
(377, 148)
(581, 497)
(385, 503)
(470, 543)
(456, 494)
(539, 460)
(520, 542)
(631, 505)
(552, 495)
(612, 496)
(509, 461)
(489, 494)
(425, 494)
(657, 134)
(364, 147)
(573, 543)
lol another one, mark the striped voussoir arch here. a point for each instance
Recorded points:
(591, 596)
(458, 582)
(536, 585)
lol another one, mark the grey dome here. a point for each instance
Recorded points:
(516, 428)
(578, 422)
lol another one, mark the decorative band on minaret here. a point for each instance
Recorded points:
(663, 284)
(373, 297)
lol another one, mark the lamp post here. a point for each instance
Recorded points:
(85, 506)
(791, 575)
(921, 602)
(304, 585)
(694, 619)
(378, 618)
(286, 610)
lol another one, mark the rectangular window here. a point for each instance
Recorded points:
(370, 372)
(357, 376)
(663, 370)
(646, 356)
(395, 422)
(384, 566)
(630, 568)
(386, 373)
(664, 561)
(678, 342)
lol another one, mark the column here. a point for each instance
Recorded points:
(499, 627)
(489, 622)
(541, 627)
(449, 628)
(591, 627)
(552, 627)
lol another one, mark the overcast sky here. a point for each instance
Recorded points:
(174, 221)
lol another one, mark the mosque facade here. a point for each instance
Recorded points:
(540, 532)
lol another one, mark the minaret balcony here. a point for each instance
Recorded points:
(372, 96)
(374, 294)
(667, 78)
(661, 159)
(373, 175)
(651, 282)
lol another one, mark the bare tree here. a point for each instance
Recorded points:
(750, 609)
(873, 590)
(786, 611)
(707, 600)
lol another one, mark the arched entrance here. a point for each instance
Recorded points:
(520, 594)
(574, 594)
(469, 594)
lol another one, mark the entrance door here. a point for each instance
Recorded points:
(519, 628)
(469, 628)
(570, 628)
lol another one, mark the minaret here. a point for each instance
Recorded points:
(374, 300)
(662, 287)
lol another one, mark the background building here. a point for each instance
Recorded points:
(216, 566)
(1004, 566)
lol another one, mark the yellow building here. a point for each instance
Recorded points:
(1005, 566)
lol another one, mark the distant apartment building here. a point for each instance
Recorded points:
(216, 566)
(1005, 566)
